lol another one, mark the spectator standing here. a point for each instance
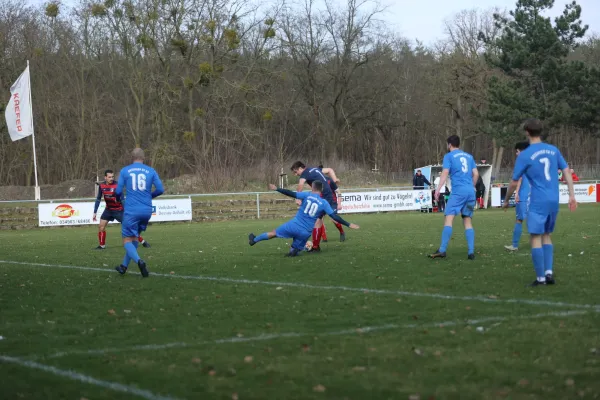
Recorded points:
(419, 181)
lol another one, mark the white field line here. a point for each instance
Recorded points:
(75, 376)
(265, 337)
(482, 299)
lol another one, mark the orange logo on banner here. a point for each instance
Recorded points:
(64, 211)
(591, 189)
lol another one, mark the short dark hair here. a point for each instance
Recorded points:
(533, 126)
(454, 141)
(521, 146)
(297, 165)
(108, 171)
(320, 166)
(318, 186)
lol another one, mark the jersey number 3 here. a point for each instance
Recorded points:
(465, 166)
(138, 182)
(311, 208)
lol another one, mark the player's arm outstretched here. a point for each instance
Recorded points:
(289, 193)
(334, 216)
(97, 203)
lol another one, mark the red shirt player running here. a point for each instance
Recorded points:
(113, 210)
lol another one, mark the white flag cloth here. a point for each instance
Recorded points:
(18, 112)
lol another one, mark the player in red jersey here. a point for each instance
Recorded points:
(113, 210)
(334, 188)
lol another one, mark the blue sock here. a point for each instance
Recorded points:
(517, 234)
(126, 260)
(131, 251)
(470, 236)
(446, 235)
(548, 257)
(537, 255)
(261, 237)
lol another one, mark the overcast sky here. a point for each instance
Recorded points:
(423, 19)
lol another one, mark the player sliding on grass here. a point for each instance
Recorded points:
(137, 179)
(113, 210)
(521, 202)
(312, 208)
(540, 163)
(310, 175)
(463, 174)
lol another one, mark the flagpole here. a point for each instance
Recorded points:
(37, 186)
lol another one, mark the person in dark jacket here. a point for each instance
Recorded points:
(480, 191)
(419, 181)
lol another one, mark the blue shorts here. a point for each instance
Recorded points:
(462, 204)
(521, 210)
(134, 224)
(291, 230)
(538, 224)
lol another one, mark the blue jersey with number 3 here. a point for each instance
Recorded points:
(461, 167)
(311, 208)
(540, 163)
(137, 179)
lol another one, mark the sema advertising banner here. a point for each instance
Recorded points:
(401, 200)
(584, 193)
(64, 214)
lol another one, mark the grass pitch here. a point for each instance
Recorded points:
(371, 318)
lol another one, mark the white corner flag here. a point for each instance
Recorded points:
(19, 118)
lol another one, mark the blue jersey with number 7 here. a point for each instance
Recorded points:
(460, 165)
(138, 179)
(311, 208)
(540, 163)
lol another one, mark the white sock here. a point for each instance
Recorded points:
(548, 272)
(542, 279)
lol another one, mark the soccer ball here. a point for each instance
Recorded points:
(308, 246)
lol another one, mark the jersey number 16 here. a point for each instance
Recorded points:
(138, 182)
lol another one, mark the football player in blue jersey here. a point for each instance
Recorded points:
(137, 179)
(299, 229)
(309, 175)
(521, 203)
(540, 163)
(461, 168)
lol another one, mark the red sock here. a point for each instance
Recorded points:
(102, 238)
(140, 239)
(314, 235)
(317, 240)
(324, 236)
(339, 226)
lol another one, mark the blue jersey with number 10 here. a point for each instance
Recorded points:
(311, 208)
(138, 179)
(461, 167)
(540, 163)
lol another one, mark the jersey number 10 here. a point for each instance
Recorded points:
(138, 182)
(311, 208)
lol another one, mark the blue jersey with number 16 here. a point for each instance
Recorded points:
(137, 179)
(540, 163)
(311, 208)
(461, 167)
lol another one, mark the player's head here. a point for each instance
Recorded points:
(418, 172)
(533, 127)
(453, 142)
(320, 166)
(317, 186)
(137, 155)
(298, 167)
(109, 176)
(519, 147)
